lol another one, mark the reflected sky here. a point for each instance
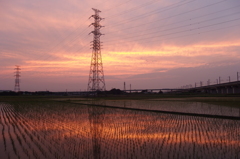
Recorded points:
(172, 106)
(73, 131)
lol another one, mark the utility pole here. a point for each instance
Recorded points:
(219, 79)
(229, 79)
(96, 80)
(17, 79)
(237, 76)
(124, 87)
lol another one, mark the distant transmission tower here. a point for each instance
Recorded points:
(17, 80)
(96, 80)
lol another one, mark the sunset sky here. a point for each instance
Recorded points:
(147, 43)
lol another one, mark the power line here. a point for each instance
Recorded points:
(64, 39)
(221, 11)
(133, 9)
(151, 13)
(118, 5)
(85, 21)
(187, 30)
(159, 11)
(74, 39)
(61, 42)
(182, 36)
(196, 23)
(96, 80)
(212, 30)
(206, 26)
(55, 46)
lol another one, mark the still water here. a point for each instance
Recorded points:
(171, 106)
(63, 130)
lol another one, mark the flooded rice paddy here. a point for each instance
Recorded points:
(171, 106)
(62, 130)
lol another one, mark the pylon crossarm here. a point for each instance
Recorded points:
(96, 77)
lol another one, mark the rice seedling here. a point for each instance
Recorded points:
(65, 130)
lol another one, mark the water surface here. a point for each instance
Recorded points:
(172, 106)
(58, 130)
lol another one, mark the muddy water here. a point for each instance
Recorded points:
(57, 130)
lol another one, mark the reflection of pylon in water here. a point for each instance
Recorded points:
(17, 79)
(96, 80)
(96, 119)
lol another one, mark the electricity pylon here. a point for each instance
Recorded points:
(17, 79)
(96, 80)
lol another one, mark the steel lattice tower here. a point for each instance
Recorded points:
(17, 80)
(96, 80)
